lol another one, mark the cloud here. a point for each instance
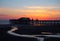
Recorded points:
(42, 7)
(32, 13)
(8, 10)
(3, 14)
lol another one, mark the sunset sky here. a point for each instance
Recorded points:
(36, 9)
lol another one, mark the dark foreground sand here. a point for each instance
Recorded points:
(6, 37)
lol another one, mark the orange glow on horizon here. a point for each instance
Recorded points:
(41, 14)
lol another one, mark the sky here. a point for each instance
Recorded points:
(36, 9)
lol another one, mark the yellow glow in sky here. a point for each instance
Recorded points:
(42, 14)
